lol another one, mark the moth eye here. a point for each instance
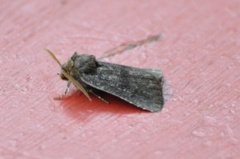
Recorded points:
(63, 77)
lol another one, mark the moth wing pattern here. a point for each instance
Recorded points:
(140, 87)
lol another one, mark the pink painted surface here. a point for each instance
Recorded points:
(199, 55)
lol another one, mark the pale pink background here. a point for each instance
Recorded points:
(199, 55)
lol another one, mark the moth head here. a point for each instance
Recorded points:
(67, 67)
(66, 73)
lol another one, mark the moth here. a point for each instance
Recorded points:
(139, 87)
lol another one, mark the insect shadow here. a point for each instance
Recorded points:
(77, 106)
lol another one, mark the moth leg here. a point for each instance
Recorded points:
(65, 93)
(99, 97)
(128, 46)
(67, 89)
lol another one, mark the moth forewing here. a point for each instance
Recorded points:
(140, 87)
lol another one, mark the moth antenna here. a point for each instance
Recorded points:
(69, 77)
(53, 57)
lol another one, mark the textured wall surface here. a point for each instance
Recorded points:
(199, 54)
